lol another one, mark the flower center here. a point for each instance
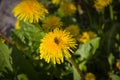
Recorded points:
(56, 40)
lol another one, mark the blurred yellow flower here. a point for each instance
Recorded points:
(86, 36)
(30, 10)
(68, 8)
(118, 64)
(55, 45)
(17, 25)
(73, 29)
(51, 22)
(92, 34)
(56, 1)
(90, 76)
(101, 4)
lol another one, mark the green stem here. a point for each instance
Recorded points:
(111, 12)
(77, 68)
(6, 39)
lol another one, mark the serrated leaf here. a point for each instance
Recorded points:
(5, 58)
(27, 37)
(31, 32)
(28, 33)
(88, 49)
(19, 34)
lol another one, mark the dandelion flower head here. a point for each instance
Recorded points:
(73, 29)
(51, 22)
(86, 36)
(100, 4)
(68, 8)
(56, 45)
(90, 76)
(30, 10)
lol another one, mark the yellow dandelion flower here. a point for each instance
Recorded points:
(90, 76)
(118, 64)
(73, 29)
(98, 6)
(84, 37)
(17, 25)
(92, 34)
(55, 45)
(68, 8)
(101, 4)
(30, 10)
(51, 22)
(56, 1)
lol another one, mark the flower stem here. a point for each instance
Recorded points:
(111, 12)
(77, 68)
(6, 39)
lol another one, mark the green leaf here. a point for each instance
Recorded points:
(31, 32)
(27, 37)
(88, 49)
(19, 35)
(114, 77)
(95, 44)
(23, 65)
(5, 58)
(82, 66)
(111, 59)
(22, 77)
(83, 51)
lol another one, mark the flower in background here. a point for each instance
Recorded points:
(100, 4)
(118, 64)
(92, 34)
(17, 24)
(86, 36)
(67, 8)
(30, 10)
(73, 29)
(56, 1)
(55, 45)
(90, 76)
(51, 22)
